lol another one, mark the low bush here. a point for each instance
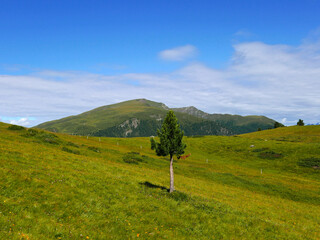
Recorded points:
(16, 128)
(259, 149)
(74, 151)
(312, 162)
(94, 149)
(50, 139)
(270, 155)
(133, 158)
(71, 144)
(42, 136)
(31, 132)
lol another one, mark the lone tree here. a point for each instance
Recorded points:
(300, 122)
(171, 143)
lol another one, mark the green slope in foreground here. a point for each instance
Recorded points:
(70, 187)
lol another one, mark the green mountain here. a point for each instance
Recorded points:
(238, 124)
(141, 117)
(262, 185)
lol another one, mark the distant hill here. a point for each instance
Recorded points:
(141, 117)
(238, 124)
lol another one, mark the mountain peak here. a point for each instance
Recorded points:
(192, 111)
(150, 103)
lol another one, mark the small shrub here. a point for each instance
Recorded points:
(310, 162)
(283, 139)
(133, 158)
(42, 136)
(16, 128)
(270, 155)
(31, 132)
(47, 138)
(74, 151)
(94, 149)
(71, 144)
(50, 140)
(259, 149)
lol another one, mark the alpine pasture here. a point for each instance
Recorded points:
(262, 185)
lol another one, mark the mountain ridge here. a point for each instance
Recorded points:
(142, 117)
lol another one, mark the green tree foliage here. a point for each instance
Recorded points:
(277, 125)
(300, 122)
(170, 136)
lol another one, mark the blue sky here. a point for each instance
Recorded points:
(134, 49)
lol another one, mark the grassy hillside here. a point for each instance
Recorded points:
(104, 117)
(238, 124)
(142, 117)
(131, 118)
(253, 186)
(289, 134)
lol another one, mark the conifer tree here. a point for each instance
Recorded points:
(277, 125)
(170, 136)
(300, 122)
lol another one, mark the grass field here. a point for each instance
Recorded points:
(263, 185)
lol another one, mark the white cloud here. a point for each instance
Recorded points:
(283, 120)
(21, 122)
(179, 53)
(279, 81)
(243, 33)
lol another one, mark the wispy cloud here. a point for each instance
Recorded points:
(21, 121)
(179, 53)
(279, 81)
(243, 33)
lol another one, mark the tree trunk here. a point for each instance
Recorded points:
(171, 175)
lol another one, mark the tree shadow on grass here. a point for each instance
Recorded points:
(176, 195)
(151, 185)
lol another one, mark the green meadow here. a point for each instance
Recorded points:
(262, 185)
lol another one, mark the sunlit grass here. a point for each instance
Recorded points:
(225, 190)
